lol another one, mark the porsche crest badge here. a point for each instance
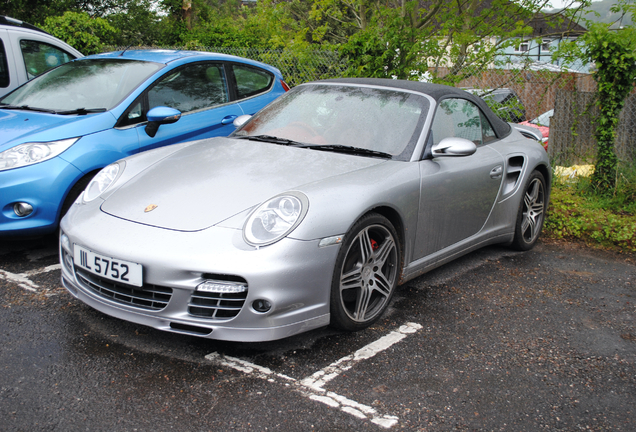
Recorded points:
(150, 208)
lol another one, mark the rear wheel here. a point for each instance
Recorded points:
(531, 213)
(366, 273)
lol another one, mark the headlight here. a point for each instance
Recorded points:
(32, 153)
(275, 218)
(103, 180)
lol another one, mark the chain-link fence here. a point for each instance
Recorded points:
(296, 67)
(571, 95)
(572, 129)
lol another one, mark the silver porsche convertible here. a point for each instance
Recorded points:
(311, 213)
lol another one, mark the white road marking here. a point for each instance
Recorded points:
(312, 386)
(22, 279)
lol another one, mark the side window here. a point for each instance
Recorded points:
(133, 115)
(40, 57)
(251, 81)
(486, 129)
(457, 118)
(191, 88)
(4, 67)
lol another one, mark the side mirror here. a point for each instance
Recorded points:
(241, 120)
(158, 116)
(453, 147)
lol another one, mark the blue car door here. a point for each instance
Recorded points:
(201, 92)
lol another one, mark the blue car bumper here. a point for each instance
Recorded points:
(44, 186)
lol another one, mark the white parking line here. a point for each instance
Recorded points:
(22, 279)
(312, 386)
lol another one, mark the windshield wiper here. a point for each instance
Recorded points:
(26, 108)
(272, 139)
(358, 151)
(81, 111)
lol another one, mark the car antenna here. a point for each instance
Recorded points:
(125, 49)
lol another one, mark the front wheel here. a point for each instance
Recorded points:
(531, 213)
(366, 273)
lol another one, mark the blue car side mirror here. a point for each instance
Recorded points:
(158, 116)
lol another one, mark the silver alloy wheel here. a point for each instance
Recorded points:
(369, 274)
(533, 211)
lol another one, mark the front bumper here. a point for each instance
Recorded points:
(293, 276)
(43, 186)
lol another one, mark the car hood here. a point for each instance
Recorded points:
(29, 126)
(212, 180)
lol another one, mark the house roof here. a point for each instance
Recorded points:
(541, 24)
(554, 24)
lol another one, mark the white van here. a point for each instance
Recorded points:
(27, 51)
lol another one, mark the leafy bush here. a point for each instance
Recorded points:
(576, 212)
(78, 29)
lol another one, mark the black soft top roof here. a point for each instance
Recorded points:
(436, 91)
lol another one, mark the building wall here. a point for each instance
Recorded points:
(540, 52)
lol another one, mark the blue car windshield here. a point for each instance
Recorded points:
(96, 84)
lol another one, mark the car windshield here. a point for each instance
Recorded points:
(543, 119)
(333, 116)
(97, 84)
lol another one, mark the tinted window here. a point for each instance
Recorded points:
(40, 57)
(458, 118)
(193, 87)
(251, 81)
(4, 68)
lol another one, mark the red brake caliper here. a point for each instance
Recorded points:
(374, 245)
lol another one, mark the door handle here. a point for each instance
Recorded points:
(228, 119)
(496, 172)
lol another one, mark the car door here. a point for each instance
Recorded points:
(457, 193)
(200, 91)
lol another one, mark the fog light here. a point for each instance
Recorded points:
(261, 305)
(22, 209)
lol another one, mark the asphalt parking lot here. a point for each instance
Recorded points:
(499, 340)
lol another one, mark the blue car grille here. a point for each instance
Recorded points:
(216, 305)
(149, 297)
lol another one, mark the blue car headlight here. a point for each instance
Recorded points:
(275, 218)
(102, 181)
(32, 153)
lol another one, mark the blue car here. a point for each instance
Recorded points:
(59, 129)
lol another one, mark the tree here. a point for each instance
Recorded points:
(613, 51)
(137, 22)
(451, 40)
(78, 29)
(35, 11)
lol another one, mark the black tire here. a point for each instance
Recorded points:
(367, 271)
(531, 213)
(75, 191)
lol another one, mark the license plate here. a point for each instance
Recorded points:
(110, 268)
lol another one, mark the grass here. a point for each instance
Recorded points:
(577, 212)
